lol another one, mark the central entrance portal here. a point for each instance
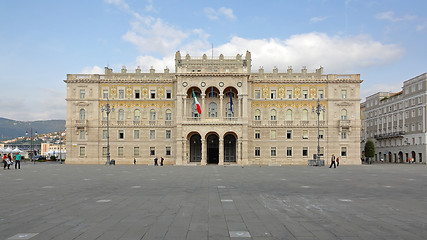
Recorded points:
(195, 148)
(213, 149)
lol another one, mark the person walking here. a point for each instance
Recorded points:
(338, 161)
(333, 161)
(161, 161)
(18, 160)
(155, 162)
(4, 161)
(134, 161)
(10, 162)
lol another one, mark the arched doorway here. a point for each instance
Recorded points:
(195, 148)
(414, 157)
(229, 148)
(389, 156)
(212, 149)
(401, 157)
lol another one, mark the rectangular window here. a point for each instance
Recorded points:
(343, 94)
(273, 94)
(82, 134)
(82, 151)
(136, 151)
(289, 151)
(273, 134)
(257, 94)
(257, 134)
(168, 151)
(105, 93)
(82, 93)
(288, 134)
(289, 94)
(120, 151)
(344, 151)
(305, 151)
(305, 94)
(322, 151)
(152, 151)
(304, 134)
(104, 134)
(273, 151)
(321, 133)
(104, 151)
(168, 94)
(168, 134)
(343, 135)
(152, 134)
(135, 134)
(121, 93)
(121, 134)
(257, 151)
(137, 94)
(152, 94)
(321, 94)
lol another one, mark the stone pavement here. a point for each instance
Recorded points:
(53, 201)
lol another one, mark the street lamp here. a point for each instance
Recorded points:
(31, 142)
(318, 109)
(107, 109)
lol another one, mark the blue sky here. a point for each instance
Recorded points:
(42, 41)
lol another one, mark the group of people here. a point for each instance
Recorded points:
(9, 159)
(335, 160)
(161, 161)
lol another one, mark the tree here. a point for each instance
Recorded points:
(369, 149)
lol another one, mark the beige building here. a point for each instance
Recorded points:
(396, 122)
(248, 118)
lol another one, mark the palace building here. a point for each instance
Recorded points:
(247, 118)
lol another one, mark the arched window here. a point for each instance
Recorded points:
(343, 114)
(257, 114)
(152, 114)
(229, 110)
(82, 114)
(121, 115)
(168, 115)
(213, 110)
(137, 115)
(305, 115)
(273, 115)
(289, 115)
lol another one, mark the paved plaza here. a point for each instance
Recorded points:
(58, 201)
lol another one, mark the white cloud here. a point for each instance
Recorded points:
(221, 12)
(92, 70)
(421, 27)
(317, 19)
(389, 16)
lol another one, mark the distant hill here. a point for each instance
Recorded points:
(10, 129)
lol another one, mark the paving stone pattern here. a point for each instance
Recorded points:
(53, 201)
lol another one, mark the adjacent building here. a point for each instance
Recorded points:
(396, 122)
(248, 118)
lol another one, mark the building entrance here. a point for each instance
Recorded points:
(195, 148)
(213, 149)
(229, 148)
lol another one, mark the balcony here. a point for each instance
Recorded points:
(272, 122)
(305, 123)
(399, 134)
(345, 123)
(136, 122)
(80, 123)
(168, 122)
(120, 122)
(289, 123)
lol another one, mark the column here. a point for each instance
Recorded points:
(185, 152)
(238, 161)
(239, 100)
(184, 114)
(203, 161)
(203, 106)
(221, 107)
(221, 151)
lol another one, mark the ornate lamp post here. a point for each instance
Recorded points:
(107, 109)
(31, 142)
(318, 109)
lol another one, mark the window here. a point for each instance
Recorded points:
(120, 151)
(82, 114)
(104, 116)
(273, 115)
(136, 151)
(344, 151)
(152, 134)
(344, 135)
(152, 151)
(289, 151)
(273, 94)
(104, 134)
(121, 93)
(413, 113)
(168, 134)
(420, 112)
(82, 151)
(257, 151)
(105, 93)
(135, 134)
(289, 94)
(168, 94)
(321, 133)
(304, 134)
(322, 151)
(419, 126)
(137, 94)
(257, 114)
(343, 94)
(273, 134)
(321, 94)
(305, 115)
(343, 114)
(288, 134)
(121, 116)
(257, 134)
(273, 151)
(152, 114)
(82, 93)
(137, 115)
(289, 115)
(229, 112)
(104, 151)
(168, 151)
(168, 115)
(152, 94)
(305, 94)
(82, 134)
(257, 94)
(212, 109)
(305, 151)
(121, 134)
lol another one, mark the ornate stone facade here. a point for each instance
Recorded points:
(247, 118)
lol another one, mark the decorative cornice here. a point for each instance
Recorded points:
(209, 74)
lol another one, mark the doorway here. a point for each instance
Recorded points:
(212, 149)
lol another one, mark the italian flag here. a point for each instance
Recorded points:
(199, 110)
